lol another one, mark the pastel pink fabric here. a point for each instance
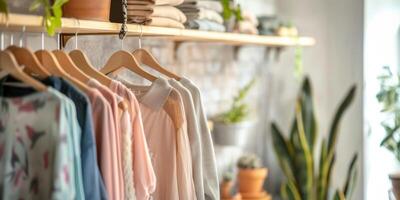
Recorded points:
(144, 175)
(166, 133)
(104, 129)
(113, 102)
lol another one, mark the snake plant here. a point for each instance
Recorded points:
(306, 178)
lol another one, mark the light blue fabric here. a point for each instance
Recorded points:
(205, 25)
(74, 135)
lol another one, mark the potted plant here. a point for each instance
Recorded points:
(226, 185)
(233, 126)
(304, 178)
(251, 175)
(388, 97)
(232, 14)
(88, 9)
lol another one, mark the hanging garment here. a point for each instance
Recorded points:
(144, 173)
(113, 102)
(36, 160)
(92, 181)
(194, 137)
(210, 175)
(166, 133)
(105, 134)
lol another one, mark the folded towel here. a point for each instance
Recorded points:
(211, 5)
(211, 15)
(168, 2)
(159, 11)
(141, 2)
(165, 22)
(205, 25)
(156, 2)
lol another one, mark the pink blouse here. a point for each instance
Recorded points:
(166, 133)
(144, 176)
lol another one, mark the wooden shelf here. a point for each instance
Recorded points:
(32, 23)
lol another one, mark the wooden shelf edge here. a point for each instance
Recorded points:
(33, 23)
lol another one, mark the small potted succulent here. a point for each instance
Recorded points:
(226, 185)
(251, 174)
(232, 127)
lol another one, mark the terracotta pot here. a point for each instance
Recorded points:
(226, 189)
(252, 180)
(395, 178)
(98, 10)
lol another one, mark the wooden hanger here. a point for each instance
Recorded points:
(26, 58)
(83, 63)
(123, 59)
(69, 66)
(145, 57)
(50, 62)
(9, 64)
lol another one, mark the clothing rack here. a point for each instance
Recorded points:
(70, 27)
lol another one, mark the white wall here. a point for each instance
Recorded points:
(382, 48)
(334, 64)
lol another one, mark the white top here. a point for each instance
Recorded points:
(210, 176)
(194, 137)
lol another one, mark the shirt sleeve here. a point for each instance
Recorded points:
(106, 146)
(145, 178)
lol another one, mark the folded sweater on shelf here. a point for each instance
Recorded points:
(156, 21)
(211, 15)
(196, 5)
(205, 25)
(141, 13)
(155, 2)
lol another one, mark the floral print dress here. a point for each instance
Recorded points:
(36, 137)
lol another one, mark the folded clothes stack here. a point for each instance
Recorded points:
(161, 13)
(203, 15)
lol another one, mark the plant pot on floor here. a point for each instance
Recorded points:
(98, 10)
(395, 178)
(226, 189)
(251, 181)
(232, 134)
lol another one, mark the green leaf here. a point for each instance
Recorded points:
(4, 7)
(339, 113)
(309, 167)
(351, 179)
(283, 151)
(290, 192)
(339, 195)
(307, 108)
(35, 5)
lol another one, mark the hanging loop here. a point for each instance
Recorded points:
(76, 32)
(22, 37)
(124, 27)
(140, 36)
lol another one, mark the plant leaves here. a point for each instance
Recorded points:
(289, 191)
(339, 195)
(4, 7)
(335, 125)
(351, 179)
(283, 151)
(309, 161)
(307, 108)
